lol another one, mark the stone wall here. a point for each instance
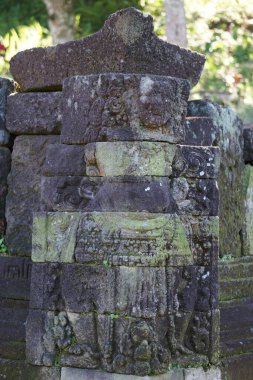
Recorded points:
(113, 192)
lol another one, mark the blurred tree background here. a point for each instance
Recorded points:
(220, 29)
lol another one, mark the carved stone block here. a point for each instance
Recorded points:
(116, 344)
(143, 158)
(126, 44)
(107, 194)
(129, 239)
(62, 160)
(129, 193)
(34, 113)
(196, 162)
(24, 190)
(15, 275)
(137, 292)
(119, 344)
(112, 238)
(196, 196)
(201, 131)
(123, 107)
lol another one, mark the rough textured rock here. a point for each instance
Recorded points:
(124, 107)
(126, 44)
(64, 160)
(24, 190)
(152, 194)
(144, 158)
(231, 174)
(201, 131)
(5, 166)
(34, 113)
(6, 87)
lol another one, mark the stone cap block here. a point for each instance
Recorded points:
(126, 44)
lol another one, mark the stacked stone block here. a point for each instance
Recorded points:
(35, 121)
(125, 253)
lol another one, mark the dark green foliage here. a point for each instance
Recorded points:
(91, 15)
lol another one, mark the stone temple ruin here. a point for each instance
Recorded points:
(127, 211)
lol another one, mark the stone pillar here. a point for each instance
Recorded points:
(125, 254)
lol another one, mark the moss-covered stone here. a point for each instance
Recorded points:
(129, 158)
(230, 180)
(54, 236)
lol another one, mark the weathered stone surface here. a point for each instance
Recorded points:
(64, 160)
(129, 193)
(24, 190)
(136, 292)
(5, 165)
(107, 194)
(204, 237)
(125, 239)
(111, 238)
(7, 86)
(196, 162)
(114, 343)
(196, 196)
(19, 370)
(126, 44)
(200, 131)
(15, 275)
(231, 174)
(13, 314)
(123, 107)
(54, 236)
(248, 143)
(34, 113)
(129, 158)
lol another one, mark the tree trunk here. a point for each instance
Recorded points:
(175, 22)
(61, 20)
